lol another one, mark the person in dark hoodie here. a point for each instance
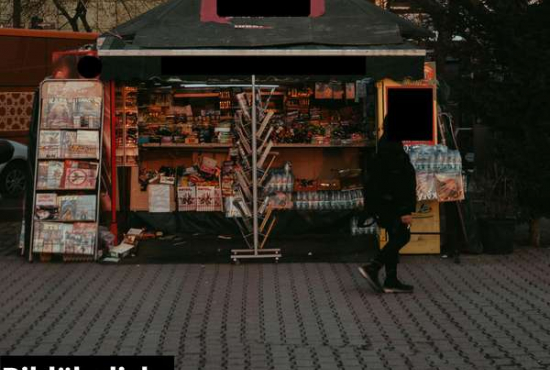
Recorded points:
(391, 197)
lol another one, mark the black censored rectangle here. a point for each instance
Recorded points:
(411, 114)
(262, 8)
(86, 362)
(264, 66)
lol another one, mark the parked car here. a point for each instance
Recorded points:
(13, 168)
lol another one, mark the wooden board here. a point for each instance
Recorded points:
(317, 163)
(425, 220)
(139, 200)
(423, 244)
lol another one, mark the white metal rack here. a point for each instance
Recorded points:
(253, 158)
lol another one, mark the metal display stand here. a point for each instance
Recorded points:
(253, 158)
(75, 92)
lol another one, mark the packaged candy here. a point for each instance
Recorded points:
(449, 187)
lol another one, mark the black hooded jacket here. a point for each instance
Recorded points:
(394, 180)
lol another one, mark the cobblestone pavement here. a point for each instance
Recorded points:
(9, 238)
(490, 312)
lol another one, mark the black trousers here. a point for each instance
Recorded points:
(399, 235)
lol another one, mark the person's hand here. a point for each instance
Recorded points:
(407, 219)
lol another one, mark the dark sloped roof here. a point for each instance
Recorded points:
(176, 24)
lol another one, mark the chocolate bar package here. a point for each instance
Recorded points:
(187, 199)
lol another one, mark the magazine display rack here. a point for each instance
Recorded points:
(256, 156)
(68, 163)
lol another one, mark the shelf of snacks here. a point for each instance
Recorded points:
(188, 123)
(186, 146)
(196, 95)
(360, 144)
(127, 114)
(68, 160)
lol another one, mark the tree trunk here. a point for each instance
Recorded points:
(17, 10)
(534, 232)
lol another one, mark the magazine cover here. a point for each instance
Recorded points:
(81, 239)
(187, 198)
(86, 208)
(50, 144)
(46, 207)
(67, 208)
(50, 175)
(208, 199)
(49, 237)
(80, 175)
(87, 113)
(57, 113)
(38, 238)
(87, 144)
(68, 143)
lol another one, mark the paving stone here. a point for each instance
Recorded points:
(487, 313)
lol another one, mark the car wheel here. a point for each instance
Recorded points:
(13, 179)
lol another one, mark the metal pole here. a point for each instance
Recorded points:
(254, 169)
(114, 224)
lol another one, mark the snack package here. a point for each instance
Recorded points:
(187, 199)
(209, 199)
(449, 187)
(281, 200)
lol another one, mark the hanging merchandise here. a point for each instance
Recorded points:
(450, 187)
(425, 186)
(438, 172)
